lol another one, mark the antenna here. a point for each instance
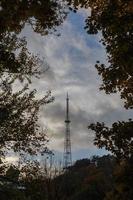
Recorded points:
(67, 140)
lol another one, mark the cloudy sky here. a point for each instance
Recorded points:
(71, 58)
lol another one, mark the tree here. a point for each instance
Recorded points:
(114, 20)
(43, 16)
(117, 139)
(85, 179)
(19, 128)
(15, 59)
(123, 176)
(19, 110)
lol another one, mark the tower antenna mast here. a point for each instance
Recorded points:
(67, 141)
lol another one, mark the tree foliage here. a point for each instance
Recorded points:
(43, 16)
(19, 119)
(86, 179)
(123, 181)
(114, 20)
(117, 139)
(15, 59)
(19, 130)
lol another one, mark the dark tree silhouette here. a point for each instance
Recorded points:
(15, 59)
(43, 16)
(117, 139)
(122, 188)
(114, 20)
(19, 110)
(19, 128)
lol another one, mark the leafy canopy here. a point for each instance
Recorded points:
(43, 16)
(113, 19)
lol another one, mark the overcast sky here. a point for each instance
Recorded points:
(71, 58)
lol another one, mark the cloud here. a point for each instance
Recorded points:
(12, 159)
(71, 58)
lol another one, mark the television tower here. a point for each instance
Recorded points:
(67, 141)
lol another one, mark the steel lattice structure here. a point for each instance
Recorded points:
(67, 140)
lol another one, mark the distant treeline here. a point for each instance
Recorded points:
(99, 178)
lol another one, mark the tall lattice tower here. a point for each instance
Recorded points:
(67, 141)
